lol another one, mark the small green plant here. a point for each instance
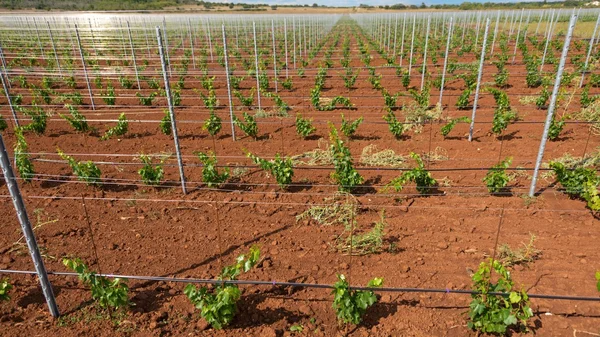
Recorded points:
(496, 179)
(281, 168)
(405, 79)
(125, 82)
(3, 124)
(389, 100)
(462, 102)
(107, 293)
(491, 313)
(350, 78)
(421, 97)
(418, 175)
(218, 305)
(598, 280)
(5, 287)
(579, 182)
(502, 119)
(448, 127)
(556, 127)
(245, 101)
(304, 126)
(351, 305)
(212, 124)
(396, 127)
(248, 126)
(85, 171)
(345, 174)
(165, 123)
(151, 175)
(118, 130)
(39, 120)
(287, 83)
(22, 161)
(210, 171)
(77, 120)
(108, 96)
(146, 101)
(542, 99)
(349, 127)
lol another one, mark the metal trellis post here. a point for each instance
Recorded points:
(485, 36)
(38, 262)
(171, 111)
(561, 66)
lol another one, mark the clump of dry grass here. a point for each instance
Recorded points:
(370, 156)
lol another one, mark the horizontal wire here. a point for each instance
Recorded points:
(307, 285)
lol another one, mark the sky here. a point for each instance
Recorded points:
(351, 3)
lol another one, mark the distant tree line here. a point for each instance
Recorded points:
(490, 5)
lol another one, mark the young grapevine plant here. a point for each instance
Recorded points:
(120, 129)
(23, 163)
(248, 126)
(212, 124)
(448, 127)
(345, 174)
(280, 167)
(494, 314)
(349, 127)
(165, 124)
(304, 126)
(151, 175)
(76, 120)
(579, 182)
(218, 305)
(108, 293)
(210, 171)
(85, 171)
(396, 127)
(418, 175)
(496, 179)
(351, 305)
(5, 288)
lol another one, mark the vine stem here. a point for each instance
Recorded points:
(94, 247)
(495, 247)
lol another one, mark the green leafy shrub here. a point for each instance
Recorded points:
(151, 175)
(281, 168)
(125, 82)
(496, 179)
(248, 126)
(165, 123)
(108, 96)
(556, 127)
(418, 175)
(5, 287)
(579, 182)
(245, 101)
(490, 313)
(77, 120)
(146, 101)
(396, 127)
(107, 293)
(218, 305)
(118, 130)
(287, 83)
(85, 171)
(345, 175)
(210, 172)
(351, 305)
(3, 124)
(304, 126)
(542, 99)
(212, 124)
(349, 127)
(421, 97)
(22, 161)
(448, 127)
(38, 120)
(462, 102)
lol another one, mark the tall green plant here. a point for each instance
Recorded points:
(345, 174)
